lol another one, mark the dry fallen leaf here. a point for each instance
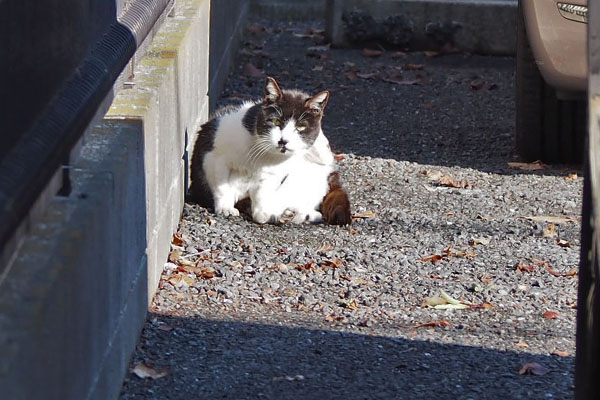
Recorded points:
(560, 353)
(255, 28)
(433, 258)
(550, 315)
(178, 239)
(325, 247)
(549, 231)
(143, 371)
(433, 301)
(480, 240)
(370, 75)
(477, 84)
(397, 54)
(411, 67)
(521, 344)
(532, 166)
(448, 181)
(319, 49)
(351, 75)
(253, 72)
(525, 267)
(399, 80)
(442, 323)
(549, 218)
(366, 214)
(371, 52)
(179, 280)
(563, 243)
(533, 369)
(571, 272)
(572, 177)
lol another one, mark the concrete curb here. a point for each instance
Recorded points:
(478, 26)
(288, 10)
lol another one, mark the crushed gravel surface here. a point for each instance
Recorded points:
(246, 311)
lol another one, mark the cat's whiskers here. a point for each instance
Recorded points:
(258, 149)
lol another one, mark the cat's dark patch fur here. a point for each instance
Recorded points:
(199, 190)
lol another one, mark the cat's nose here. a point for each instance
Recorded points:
(282, 142)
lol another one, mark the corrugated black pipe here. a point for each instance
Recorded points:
(28, 168)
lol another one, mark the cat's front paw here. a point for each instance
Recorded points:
(312, 216)
(227, 211)
(262, 217)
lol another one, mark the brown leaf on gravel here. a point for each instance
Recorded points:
(449, 182)
(174, 256)
(411, 67)
(442, 323)
(371, 52)
(350, 305)
(533, 369)
(572, 177)
(548, 218)
(338, 157)
(371, 75)
(563, 243)
(178, 239)
(366, 214)
(552, 272)
(335, 263)
(351, 75)
(549, 231)
(560, 353)
(470, 254)
(485, 305)
(319, 49)
(433, 258)
(143, 371)
(309, 266)
(477, 84)
(398, 80)
(532, 166)
(178, 280)
(525, 267)
(397, 54)
(253, 72)
(325, 247)
(521, 344)
(550, 315)
(255, 28)
(334, 318)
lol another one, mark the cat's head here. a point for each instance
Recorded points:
(290, 120)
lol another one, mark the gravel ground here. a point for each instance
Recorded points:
(314, 311)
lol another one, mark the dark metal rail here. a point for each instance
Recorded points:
(40, 152)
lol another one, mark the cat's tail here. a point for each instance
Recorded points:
(336, 204)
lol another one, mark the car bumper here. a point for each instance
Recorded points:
(558, 41)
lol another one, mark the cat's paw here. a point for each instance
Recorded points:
(227, 211)
(262, 217)
(286, 216)
(312, 216)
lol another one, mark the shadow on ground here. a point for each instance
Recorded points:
(237, 360)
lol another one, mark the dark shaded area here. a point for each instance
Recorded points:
(240, 360)
(42, 43)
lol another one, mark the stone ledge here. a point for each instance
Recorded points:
(477, 26)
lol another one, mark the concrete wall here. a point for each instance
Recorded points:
(73, 301)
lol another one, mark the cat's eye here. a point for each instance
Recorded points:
(276, 121)
(301, 128)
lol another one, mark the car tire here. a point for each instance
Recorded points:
(547, 128)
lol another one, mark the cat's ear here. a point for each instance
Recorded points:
(318, 102)
(272, 91)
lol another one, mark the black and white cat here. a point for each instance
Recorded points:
(273, 152)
